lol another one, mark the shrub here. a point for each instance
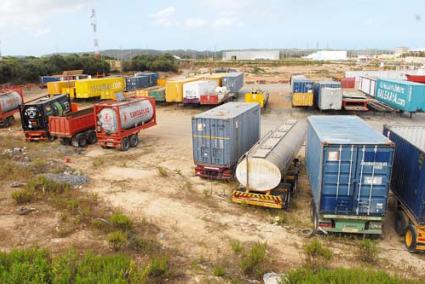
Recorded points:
(252, 262)
(117, 240)
(343, 275)
(162, 171)
(121, 221)
(317, 256)
(236, 246)
(159, 267)
(44, 185)
(23, 196)
(368, 251)
(219, 270)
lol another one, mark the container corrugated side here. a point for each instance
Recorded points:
(60, 87)
(302, 86)
(222, 136)
(104, 88)
(233, 81)
(401, 95)
(408, 181)
(174, 89)
(302, 99)
(367, 85)
(349, 166)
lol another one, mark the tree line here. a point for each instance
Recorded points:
(29, 69)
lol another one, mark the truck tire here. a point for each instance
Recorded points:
(401, 222)
(79, 140)
(91, 137)
(64, 141)
(51, 138)
(410, 238)
(10, 120)
(125, 144)
(134, 140)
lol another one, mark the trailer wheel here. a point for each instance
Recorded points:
(134, 140)
(51, 138)
(10, 120)
(125, 144)
(401, 222)
(79, 140)
(410, 238)
(92, 139)
(64, 141)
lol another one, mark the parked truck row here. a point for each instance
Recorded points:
(351, 167)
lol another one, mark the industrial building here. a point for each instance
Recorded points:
(251, 55)
(328, 55)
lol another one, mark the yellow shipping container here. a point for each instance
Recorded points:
(216, 76)
(103, 88)
(257, 97)
(174, 89)
(61, 87)
(302, 99)
(161, 82)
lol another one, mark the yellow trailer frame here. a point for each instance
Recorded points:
(414, 235)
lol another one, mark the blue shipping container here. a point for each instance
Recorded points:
(153, 77)
(302, 86)
(402, 95)
(46, 79)
(136, 82)
(233, 81)
(349, 166)
(408, 181)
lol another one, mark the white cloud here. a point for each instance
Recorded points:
(165, 18)
(31, 14)
(194, 23)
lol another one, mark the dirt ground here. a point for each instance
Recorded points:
(156, 182)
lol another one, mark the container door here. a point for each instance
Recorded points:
(373, 174)
(202, 141)
(218, 141)
(338, 180)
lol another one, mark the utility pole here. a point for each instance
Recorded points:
(94, 26)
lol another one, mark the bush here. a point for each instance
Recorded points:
(43, 185)
(121, 222)
(219, 270)
(117, 240)
(158, 267)
(163, 62)
(343, 275)
(236, 246)
(37, 266)
(368, 251)
(252, 262)
(317, 256)
(23, 196)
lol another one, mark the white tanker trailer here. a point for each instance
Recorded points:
(268, 172)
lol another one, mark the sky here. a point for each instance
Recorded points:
(38, 27)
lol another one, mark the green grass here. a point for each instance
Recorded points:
(236, 246)
(317, 255)
(38, 266)
(368, 251)
(22, 196)
(343, 276)
(117, 240)
(252, 262)
(121, 222)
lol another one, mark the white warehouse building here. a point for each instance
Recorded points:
(328, 55)
(251, 55)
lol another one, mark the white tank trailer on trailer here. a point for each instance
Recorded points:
(268, 172)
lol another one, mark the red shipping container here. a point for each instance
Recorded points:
(209, 100)
(348, 83)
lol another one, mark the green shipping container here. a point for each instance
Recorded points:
(156, 92)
